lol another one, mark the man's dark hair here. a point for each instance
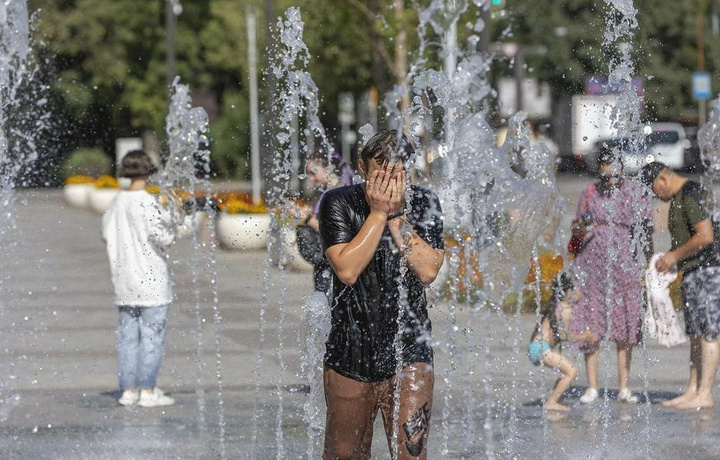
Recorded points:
(650, 172)
(135, 164)
(383, 147)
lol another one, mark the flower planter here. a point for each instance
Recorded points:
(243, 231)
(100, 198)
(78, 195)
(284, 251)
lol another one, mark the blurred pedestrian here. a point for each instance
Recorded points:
(324, 174)
(137, 229)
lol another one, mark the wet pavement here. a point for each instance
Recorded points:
(58, 376)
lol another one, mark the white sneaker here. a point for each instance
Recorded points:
(155, 399)
(589, 397)
(129, 398)
(625, 395)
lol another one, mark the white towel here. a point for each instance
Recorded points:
(661, 320)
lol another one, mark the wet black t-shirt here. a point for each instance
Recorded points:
(361, 344)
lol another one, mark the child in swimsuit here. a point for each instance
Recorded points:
(553, 329)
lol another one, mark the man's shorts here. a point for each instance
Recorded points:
(701, 295)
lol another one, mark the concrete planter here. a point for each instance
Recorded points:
(100, 198)
(78, 195)
(243, 231)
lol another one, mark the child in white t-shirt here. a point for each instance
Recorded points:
(137, 229)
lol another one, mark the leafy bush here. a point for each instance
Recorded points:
(230, 138)
(87, 162)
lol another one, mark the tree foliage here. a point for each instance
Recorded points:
(106, 65)
(665, 47)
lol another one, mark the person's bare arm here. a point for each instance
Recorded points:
(424, 260)
(702, 238)
(313, 223)
(585, 336)
(349, 260)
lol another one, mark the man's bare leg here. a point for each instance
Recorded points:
(413, 425)
(350, 415)
(555, 360)
(704, 396)
(695, 371)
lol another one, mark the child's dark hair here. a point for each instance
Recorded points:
(136, 164)
(561, 283)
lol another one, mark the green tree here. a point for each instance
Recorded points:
(108, 58)
(664, 48)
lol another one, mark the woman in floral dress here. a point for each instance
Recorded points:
(615, 217)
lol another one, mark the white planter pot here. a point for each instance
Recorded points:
(78, 195)
(285, 254)
(100, 198)
(243, 231)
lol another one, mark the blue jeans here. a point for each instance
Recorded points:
(140, 345)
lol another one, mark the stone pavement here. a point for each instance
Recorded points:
(58, 375)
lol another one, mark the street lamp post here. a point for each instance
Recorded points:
(251, 18)
(173, 9)
(702, 107)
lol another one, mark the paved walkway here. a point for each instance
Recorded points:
(58, 375)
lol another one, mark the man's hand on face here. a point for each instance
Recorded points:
(397, 189)
(385, 189)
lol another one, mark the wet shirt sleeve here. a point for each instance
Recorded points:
(334, 221)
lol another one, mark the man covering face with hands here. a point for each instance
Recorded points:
(384, 242)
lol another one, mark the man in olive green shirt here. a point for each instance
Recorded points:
(694, 253)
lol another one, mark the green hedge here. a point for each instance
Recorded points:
(88, 162)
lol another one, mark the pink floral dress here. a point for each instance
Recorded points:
(611, 263)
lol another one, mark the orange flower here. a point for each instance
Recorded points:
(550, 266)
(239, 203)
(79, 179)
(106, 182)
(469, 270)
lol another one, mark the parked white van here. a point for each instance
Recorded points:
(667, 142)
